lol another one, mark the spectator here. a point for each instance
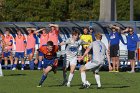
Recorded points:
(88, 39)
(132, 46)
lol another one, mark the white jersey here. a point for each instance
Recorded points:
(99, 51)
(72, 47)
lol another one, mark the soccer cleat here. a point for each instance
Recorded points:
(39, 68)
(39, 86)
(14, 68)
(64, 82)
(22, 68)
(84, 86)
(68, 84)
(99, 87)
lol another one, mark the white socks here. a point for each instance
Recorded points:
(70, 77)
(83, 77)
(97, 78)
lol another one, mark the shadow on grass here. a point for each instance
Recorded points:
(15, 75)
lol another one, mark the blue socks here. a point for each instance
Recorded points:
(42, 79)
(31, 65)
(40, 64)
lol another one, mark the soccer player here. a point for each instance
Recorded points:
(99, 51)
(30, 48)
(43, 41)
(8, 42)
(20, 43)
(49, 52)
(72, 50)
(132, 46)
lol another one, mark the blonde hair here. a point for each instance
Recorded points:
(98, 36)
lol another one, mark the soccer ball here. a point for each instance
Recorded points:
(88, 83)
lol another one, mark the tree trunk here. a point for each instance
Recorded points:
(107, 10)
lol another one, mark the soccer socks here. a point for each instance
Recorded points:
(22, 65)
(83, 77)
(39, 64)
(64, 75)
(14, 65)
(70, 77)
(31, 65)
(42, 79)
(97, 78)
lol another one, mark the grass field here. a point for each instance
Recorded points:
(26, 82)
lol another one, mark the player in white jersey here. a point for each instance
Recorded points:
(71, 56)
(99, 53)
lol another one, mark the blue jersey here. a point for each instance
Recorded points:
(114, 38)
(132, 42)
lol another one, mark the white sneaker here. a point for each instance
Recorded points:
(22, 68)
(68, 84)
(39, 68)
(14, 68)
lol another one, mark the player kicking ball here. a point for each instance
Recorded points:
(99, 51)
(49, 52)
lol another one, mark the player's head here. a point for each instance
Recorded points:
(7, 31)
(131, 30)
(30, 30)
(75, 35)
(113, 28)
(44, 30)
(85, 30)
(53, 27)
(50, 45)
(98, 36)
(19, 32)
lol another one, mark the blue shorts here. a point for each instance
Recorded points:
(30, 51)
(19, 54)
(7, 54)
(48, 62)
(41, 54)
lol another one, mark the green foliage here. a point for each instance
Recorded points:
(61, 10)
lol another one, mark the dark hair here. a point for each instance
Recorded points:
(49, 43)
(75, 32)
(85, 28)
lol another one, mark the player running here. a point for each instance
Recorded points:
(20, 43)
(72, 50)
(99, 51)
(49, 52)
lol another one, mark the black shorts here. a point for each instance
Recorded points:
(114, 50)
(131, 55)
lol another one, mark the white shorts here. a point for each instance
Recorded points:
(70, 61)
(94, 66)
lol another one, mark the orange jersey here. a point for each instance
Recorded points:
(20, 43)
(53, 36)
(30, 41)
(48, 54)
(43, 39)
(8, 39)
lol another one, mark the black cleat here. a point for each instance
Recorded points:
(84, 86)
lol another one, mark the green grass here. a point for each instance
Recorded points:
(26, 82)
